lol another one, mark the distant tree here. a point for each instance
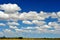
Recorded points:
(20, 37)
(45, 38)
(3, 37)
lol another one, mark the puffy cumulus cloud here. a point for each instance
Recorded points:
(55, 25)
(13, 27)
(22, 16)
(32, 15)
(13, 17)
(26, 22)
(58, 14)
(7, 30)
(9, 33)
(44, 14)
(13, 23)
(58, 19)
(35, 29)
(38, 22)
(45, 26)
(23, 30)
(19, 30)
(2, 24)
(29, 28)
(10, 7)
(1, 34)
(40, 29)
(3, 15)
(11, 14)
(53, 15)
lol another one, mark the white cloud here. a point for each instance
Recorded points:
(13, 27)
(7, 30)
(18, 29)
(38, 22)
(58, 19)
(35, 30)
(2, 24)
(46, 26)
(54, 15)
(22, 16)
(3, 15)
(44, 14)
(39, 29)
(13, 23)
(32, 15)
(10, 7)
(26, 22)
(23, 30)
(29, 28)
(9, 33)
(13, 17)
(58, 14)
(1, 34)
(11, 13)
(53, 24)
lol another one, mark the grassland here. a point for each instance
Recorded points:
(32, 39)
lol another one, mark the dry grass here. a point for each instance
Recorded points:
(33, 39)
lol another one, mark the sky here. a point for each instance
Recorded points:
(30, 18)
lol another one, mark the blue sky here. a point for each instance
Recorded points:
(36, 5)
(30, 18)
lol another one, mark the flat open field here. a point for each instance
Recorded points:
(33, 39)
